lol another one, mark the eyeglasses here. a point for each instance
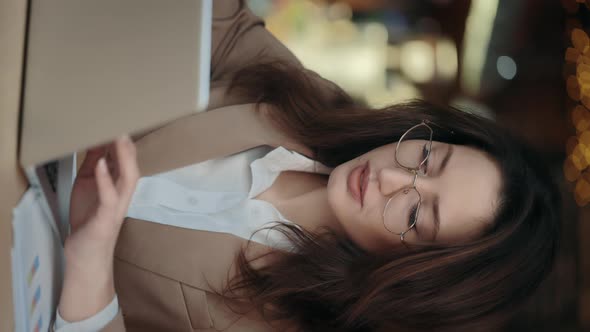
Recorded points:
(413, 157)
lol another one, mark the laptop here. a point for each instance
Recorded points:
(96, 69)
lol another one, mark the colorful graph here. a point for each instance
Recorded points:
(39, 324)
(36, 299)
(33, 270)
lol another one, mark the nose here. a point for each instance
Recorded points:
(393, 179)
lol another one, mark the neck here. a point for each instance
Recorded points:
(311, 210)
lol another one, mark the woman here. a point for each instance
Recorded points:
(404, 218)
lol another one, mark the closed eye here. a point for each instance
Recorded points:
(412, 217)
(424, 164)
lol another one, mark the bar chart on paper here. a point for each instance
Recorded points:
(37, 263)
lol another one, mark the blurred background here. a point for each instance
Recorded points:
(504, 59)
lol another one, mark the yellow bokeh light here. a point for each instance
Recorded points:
(579, 162)
(571, 144)
(578, 157)
(572, 54)
(581, 118)
(583, 77)
(585, 140)
(582, 124)
(573, 88)
(417, 61)
(577, 75)
(570, 171)
(447, 64)
(580, 40)
(582, 67)
(582, 59)
(579, 200)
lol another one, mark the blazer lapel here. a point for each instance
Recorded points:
(169, 146)
(197, 258)
(200, 259)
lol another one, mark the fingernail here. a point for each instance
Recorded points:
(102, 165)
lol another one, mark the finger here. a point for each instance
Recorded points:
(111, 159)
(90, 160)
(128, 170)
(107, 194)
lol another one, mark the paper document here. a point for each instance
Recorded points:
(37, 263)
(40, 226)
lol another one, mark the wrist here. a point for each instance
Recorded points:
(85, 292)
(86, 254)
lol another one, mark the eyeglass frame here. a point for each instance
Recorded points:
(413, 171)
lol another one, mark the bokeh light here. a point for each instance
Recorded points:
(577, 69)
(417, 61)
(506, 67)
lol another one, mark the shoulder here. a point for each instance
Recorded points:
(229, 9)
(239, 40)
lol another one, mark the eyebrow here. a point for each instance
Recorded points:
(445, 160)
(435, 205)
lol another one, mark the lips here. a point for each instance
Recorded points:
(356, 187)
(364, 181)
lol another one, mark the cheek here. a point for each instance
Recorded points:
(364, 229)
(340, 201)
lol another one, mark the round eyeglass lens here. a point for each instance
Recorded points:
(412, 153)
(402, 211)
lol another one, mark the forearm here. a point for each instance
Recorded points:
(98, 205)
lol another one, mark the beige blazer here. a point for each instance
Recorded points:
(166, 276)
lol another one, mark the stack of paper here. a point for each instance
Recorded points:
(37, 254)
(37, 263)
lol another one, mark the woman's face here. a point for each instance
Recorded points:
(460, 189)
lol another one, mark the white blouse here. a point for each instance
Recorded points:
(215, 195)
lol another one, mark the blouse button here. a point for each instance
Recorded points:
(256, 212)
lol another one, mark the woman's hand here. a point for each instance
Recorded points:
(100, 199)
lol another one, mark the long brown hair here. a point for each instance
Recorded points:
(327, 283)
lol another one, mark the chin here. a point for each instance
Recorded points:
(336, 183)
